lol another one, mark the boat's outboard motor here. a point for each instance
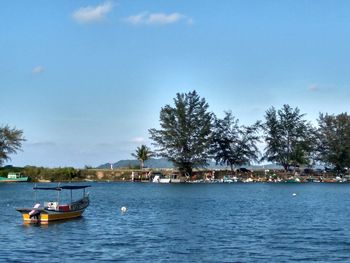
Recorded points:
(35, 213)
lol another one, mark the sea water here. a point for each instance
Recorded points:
(256, 222)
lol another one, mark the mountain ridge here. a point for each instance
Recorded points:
(160, 163)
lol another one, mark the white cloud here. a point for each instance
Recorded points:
(313, 87)
(92, 13)
(146, 18)
(163, 19)
(38, 70)
(136, 19)
(138, 140)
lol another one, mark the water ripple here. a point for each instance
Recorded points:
(186, 223)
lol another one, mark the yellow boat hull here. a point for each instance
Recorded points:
(48, 217)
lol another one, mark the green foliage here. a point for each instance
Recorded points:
(134, 167)
(51, 174)
(334, 140)
(142, 154)
(289, 138)
(10, 142)
(33, 172)
(4, 171)
(234, 145)
(184, 137)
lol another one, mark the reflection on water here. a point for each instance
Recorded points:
(186, 223)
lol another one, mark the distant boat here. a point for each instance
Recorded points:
(52, 211)
(161, 179)
(13, 177)
(228, 179)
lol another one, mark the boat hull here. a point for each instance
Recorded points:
(8, 180)
(49, 216)
(54, 213)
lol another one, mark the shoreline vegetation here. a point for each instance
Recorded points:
(69, 174)
(190, 136)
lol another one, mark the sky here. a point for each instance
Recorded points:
(85, 80)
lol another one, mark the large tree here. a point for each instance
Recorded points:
(10, 142)
(142, 153)
(184, 136)
(289, 137)
(334, 140)
(232, 144)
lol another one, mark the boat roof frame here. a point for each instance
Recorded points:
(63, 187)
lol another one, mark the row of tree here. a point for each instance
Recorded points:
(190, 135)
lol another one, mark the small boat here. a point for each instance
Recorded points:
(13, 177)
(161, 179)
(52, 211)
(228, 179)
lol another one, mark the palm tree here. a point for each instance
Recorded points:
(142, 154)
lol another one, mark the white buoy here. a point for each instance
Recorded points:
(294, 194)
(123, 209)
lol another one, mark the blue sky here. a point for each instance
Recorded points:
(85, 80)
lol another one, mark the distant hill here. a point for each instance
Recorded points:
(154, 163)
(151, 163)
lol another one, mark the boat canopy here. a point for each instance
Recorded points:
(59, 188)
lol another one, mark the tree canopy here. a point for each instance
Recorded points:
(234, 145)
(184, 136)
(142, 153)
(10, 142)
(190, 135)
(334, 140)
(288, 136)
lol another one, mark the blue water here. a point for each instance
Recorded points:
(255, 222)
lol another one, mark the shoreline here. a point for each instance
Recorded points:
(47, 175)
